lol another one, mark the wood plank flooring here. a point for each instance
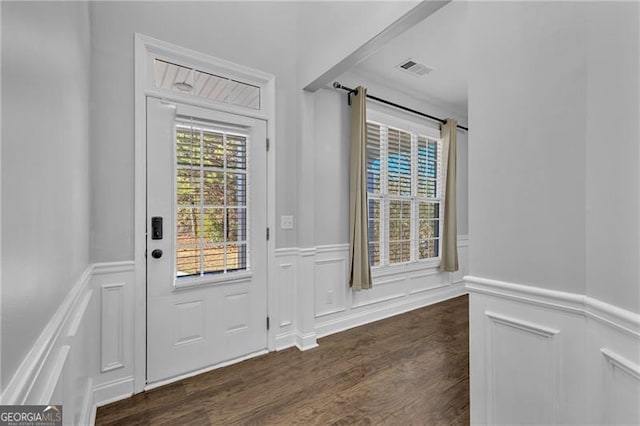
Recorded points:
(408, 369)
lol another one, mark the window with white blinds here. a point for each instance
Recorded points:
(404, 193)
(211, 200)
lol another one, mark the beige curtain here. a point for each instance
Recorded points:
(360, 272)
(449, 258)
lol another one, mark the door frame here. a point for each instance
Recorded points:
(145, 50)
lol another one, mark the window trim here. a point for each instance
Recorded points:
(384, 116)
(211, 277)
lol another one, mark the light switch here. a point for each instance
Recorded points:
(286, 222)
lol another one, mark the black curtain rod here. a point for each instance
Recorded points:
(337, 85)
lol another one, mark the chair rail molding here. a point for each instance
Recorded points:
(578, 304)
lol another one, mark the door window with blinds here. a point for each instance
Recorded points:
(404, 193)
(211, 193)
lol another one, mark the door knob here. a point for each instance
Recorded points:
(156, 254)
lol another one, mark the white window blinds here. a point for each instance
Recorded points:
(404, 193)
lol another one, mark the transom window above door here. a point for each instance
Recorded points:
(192, 81)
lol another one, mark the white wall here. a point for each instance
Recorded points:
(258, 35)
(553, 208)
(269, 40)
(554, 149)
(331, 30)
(527, 105)
(332, 155)
(45, 190)
(612, 146)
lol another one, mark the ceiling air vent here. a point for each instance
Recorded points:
(414, 67)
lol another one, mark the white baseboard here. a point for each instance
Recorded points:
(285, 340)
(306, 341)
(113, 391)
(372, 314)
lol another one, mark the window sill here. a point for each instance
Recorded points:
(403, 268)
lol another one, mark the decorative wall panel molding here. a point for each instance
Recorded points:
(621, 389)
(617, 361)
(111, 326)
(535, 363)
(542, 356)
(335, 307)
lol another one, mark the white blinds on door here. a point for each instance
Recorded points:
(211, 200)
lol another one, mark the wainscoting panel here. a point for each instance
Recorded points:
(317, 277)
(287, 294)
(539, 356)
(112, 326)
(427, 281)
(330, 282)
(114, 285)
(508, 381)
(382, 290)
(283, 314)
(621, 389)
(395, 290)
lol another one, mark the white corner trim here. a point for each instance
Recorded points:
(577, 304)
(21, 384)
(306, 341)
(622, 363)
(527, 326)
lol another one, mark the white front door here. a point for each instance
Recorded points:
(206, 238)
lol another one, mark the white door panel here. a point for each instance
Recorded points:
(206, 294)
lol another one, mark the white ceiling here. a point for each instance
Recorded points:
(440, 42)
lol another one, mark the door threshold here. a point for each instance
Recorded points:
(170, 380)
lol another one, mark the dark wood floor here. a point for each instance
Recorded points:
(408, 369)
